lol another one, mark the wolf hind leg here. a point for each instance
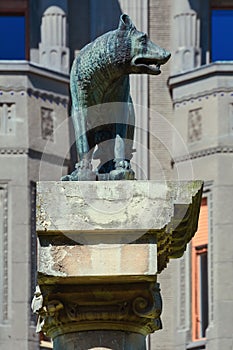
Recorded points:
(122, 169)
(124, 145)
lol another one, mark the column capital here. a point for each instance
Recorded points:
(129, 307)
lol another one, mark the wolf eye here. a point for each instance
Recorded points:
(143, 38)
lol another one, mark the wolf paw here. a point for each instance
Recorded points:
(122, 174)
(123, 164)
(83, 172)
(72, 177)
(83, 164)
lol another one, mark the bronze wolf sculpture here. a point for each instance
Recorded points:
(102, 110)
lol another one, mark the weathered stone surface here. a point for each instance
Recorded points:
(110, 206)
(65, 257)
(92, 221)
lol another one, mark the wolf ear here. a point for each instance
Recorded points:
(125, 23)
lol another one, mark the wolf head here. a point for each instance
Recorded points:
(145, 56)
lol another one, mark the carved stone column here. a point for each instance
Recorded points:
(101, 246)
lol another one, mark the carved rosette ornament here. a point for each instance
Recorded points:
(130, 307)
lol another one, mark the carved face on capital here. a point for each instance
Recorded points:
(145, 56)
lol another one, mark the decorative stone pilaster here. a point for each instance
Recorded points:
(4, 241)
(100, 248)
(186, 39)
(53, 50)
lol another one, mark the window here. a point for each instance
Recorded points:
(200, 276)
(13, 40)
(14, 16)
(216, 29)
(221, 32)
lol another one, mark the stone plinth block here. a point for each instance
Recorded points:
(100, 248)
(103, 228)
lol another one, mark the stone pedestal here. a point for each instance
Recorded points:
(100, 248)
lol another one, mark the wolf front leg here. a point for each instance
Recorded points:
(130, 127)
(84, 166)
(83, 170)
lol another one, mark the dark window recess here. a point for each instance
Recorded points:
(194, 346)
(203, 273)
(13, 38)
(221, 32)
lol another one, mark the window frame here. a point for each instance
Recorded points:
(199, 246)
(197, 307)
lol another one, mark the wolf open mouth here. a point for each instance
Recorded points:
(150, 64)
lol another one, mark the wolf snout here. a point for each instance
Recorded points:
(166, 56)
(163, 56)
(158, 53)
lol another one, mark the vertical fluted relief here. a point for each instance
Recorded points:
(53, 50)
(4, 282)
(186, 38)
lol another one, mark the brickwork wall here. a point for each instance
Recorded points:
(159, 97)
(160, 158)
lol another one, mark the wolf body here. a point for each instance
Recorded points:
(101, 103)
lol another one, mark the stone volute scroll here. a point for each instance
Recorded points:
(103, 244)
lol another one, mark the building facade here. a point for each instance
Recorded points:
(201, 88)
(184, 130)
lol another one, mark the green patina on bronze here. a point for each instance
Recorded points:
(101, 103)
